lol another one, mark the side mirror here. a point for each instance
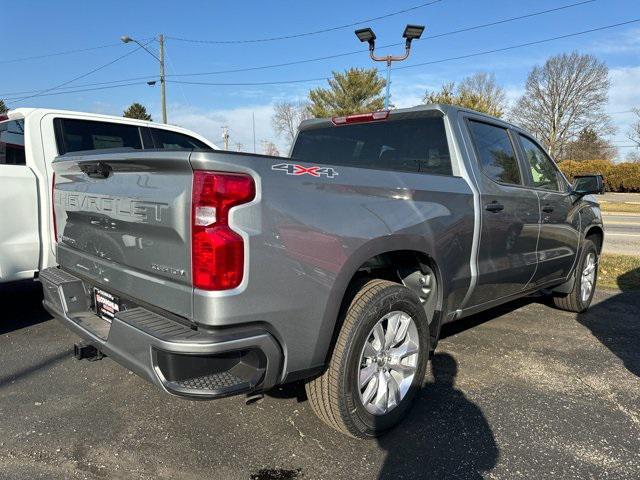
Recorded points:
(588, 184)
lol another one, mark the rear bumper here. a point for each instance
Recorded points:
(180, 360)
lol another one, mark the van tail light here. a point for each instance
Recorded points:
(217, 252)
(361, 117)
(53, 208)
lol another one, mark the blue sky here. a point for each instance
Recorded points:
(33, 28)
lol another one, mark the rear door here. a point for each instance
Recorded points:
(123, 223)
(560, 218)
(509, 217)
(19, 229)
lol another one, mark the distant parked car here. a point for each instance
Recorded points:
(30, 138)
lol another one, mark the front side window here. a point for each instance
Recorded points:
(496, 154)
(543, 172)
(176, 141)
(402, 144)
(80, 135)
(12, 143)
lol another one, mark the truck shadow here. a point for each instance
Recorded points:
(21, 304)
(615, 322)
(445, 435)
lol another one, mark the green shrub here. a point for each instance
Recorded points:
(618, 177)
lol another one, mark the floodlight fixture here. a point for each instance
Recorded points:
(367, 35)
(411, 32)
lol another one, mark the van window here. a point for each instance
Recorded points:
(417, 144)
(495, 150)
(78, 135)
(175, 141)
(12, 143)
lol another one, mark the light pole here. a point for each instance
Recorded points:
(163, 97)
(411, 32)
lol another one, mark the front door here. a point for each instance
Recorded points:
(509, 217)
(19, 228)
(560, 219)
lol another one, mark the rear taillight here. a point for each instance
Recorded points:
(361, 117)
(53, 208)
(217, 252)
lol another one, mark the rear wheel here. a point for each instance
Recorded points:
(378, 363)
(586, 276)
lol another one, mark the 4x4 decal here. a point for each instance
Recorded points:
(297, 170)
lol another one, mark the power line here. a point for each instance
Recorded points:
(359, 52)
(521, 45)
(507, 20)
(152, 77)
(328, 57)
(486, 52)
(65, 52)
(90, 72)
(305, 34)
(277, 82)
(89, 89)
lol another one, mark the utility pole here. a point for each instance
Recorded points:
(160, 58)
(163, 95)
(253, 119)
(225, 137)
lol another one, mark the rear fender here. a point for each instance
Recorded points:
(349, 270)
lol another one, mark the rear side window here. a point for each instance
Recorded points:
(79, 135)
(495, 150)
(12, 143)
(175, 141)
(410, 145)
(543, 172)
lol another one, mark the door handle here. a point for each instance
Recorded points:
(547, 209)
(494, 207)
(96, 170)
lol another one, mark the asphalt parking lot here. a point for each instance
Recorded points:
(524, 391)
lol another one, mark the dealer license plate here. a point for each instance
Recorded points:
(107, 305)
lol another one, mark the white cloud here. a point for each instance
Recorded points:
(624, 42)
(623, 96)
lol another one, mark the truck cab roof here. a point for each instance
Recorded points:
(25, 112)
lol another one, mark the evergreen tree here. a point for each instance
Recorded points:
(137, 110)
(357, 90)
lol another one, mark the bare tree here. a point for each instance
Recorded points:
(479, 92)
(634, 130)
(633, 157)
(3, 107)
(564, 96)
(287, 116)
(269, 148)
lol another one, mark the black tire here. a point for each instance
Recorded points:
(335, 395)
(573, 301)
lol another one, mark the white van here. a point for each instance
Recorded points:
(30, 138)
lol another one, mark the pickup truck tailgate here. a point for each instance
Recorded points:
(123, 224)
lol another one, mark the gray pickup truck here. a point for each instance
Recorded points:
(213, 273)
